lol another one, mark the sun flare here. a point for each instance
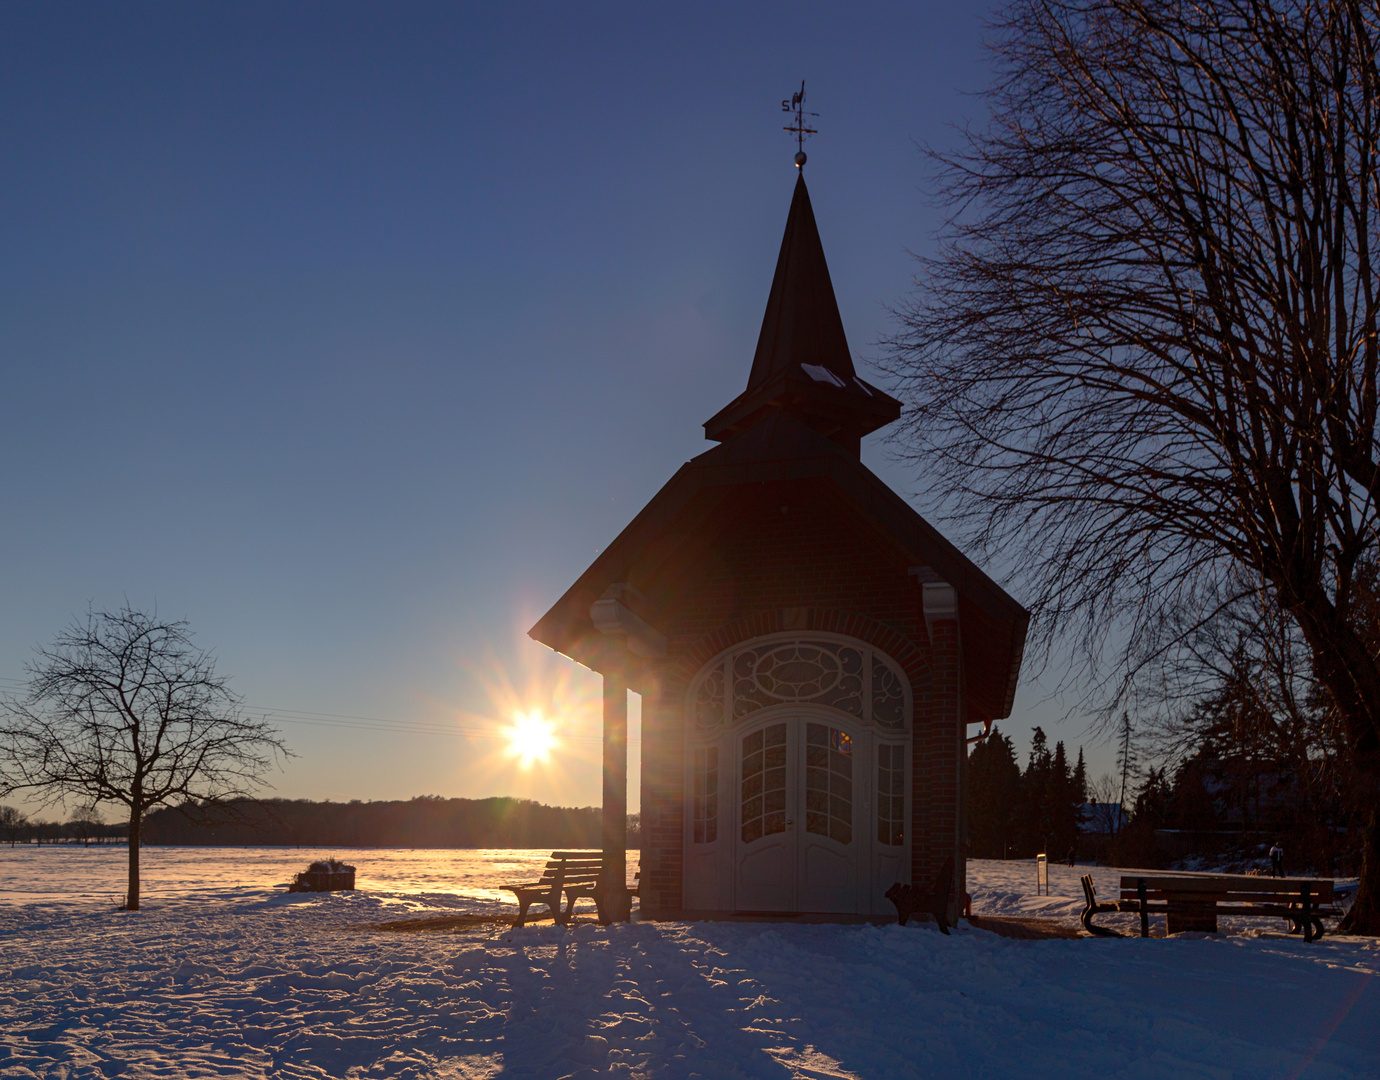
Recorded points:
(531, 739)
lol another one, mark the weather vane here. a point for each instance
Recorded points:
(796, 104)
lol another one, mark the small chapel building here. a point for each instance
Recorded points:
(810, 652)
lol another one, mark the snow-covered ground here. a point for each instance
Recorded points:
(67, 874)
(223, 975)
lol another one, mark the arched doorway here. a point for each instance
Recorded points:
(797, 785)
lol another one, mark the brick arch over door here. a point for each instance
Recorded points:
(930, 735)
(911, 656)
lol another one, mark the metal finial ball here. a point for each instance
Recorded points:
(800, 159)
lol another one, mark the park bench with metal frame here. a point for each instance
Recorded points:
(1194, 901)
(1096, 907)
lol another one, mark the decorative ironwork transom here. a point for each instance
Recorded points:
(849, 677)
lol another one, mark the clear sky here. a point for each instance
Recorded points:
(352, 332)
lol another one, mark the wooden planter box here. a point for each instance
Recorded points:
(314, 880)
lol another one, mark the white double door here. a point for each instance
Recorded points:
(803, 840)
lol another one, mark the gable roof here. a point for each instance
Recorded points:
(782, 447)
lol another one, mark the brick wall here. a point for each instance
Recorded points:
(793, 555)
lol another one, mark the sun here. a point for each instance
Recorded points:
(531, 739)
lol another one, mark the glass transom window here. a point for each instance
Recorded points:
(847, 676)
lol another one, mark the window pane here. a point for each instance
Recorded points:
(705, 810)
(829, 782)
(763, 793)
(890, 793)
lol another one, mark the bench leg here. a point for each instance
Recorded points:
(523, 904)
(1096, 931)
(1144, 909)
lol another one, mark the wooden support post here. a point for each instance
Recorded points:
(1144, 908)
(616, 904)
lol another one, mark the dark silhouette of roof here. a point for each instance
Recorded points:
(782, 448)
(802, 365)
(800, 419)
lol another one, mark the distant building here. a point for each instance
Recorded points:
(809, 651)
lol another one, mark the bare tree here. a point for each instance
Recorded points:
(84, 823)
(1106, 814)
(1147, 357)
(123, 708)
(12, 822)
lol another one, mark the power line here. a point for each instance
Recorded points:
(355, 722)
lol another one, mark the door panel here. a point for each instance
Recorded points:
(820, 816)
(828, 880)
(765, 878)
(889, 852)
(829, 848)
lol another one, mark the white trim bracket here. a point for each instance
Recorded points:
(940, 600)
(612, 616)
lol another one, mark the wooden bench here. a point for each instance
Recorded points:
(591, 889)
(1096, 907)
(1193, 901)
(564, 868)
(572, 873)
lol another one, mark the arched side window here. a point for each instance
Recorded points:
(816, 669)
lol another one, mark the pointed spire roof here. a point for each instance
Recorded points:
(803, 366)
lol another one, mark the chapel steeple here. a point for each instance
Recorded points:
(802, 366)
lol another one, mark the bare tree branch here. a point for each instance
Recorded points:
(1144, 361)
(123, 708)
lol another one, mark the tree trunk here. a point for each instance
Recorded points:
(1345, 666)
(132, 897)
(1364, 916)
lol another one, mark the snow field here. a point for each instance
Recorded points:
(254, 982)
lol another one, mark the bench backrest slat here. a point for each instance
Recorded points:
(1225, 887)
(579, 868)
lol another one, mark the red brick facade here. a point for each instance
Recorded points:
(817, 567)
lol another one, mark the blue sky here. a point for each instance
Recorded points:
(351, 332)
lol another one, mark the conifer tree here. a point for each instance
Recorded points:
(1126, 760)
(994, 780)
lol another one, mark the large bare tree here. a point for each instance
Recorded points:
(122, 708)
(1145, 360)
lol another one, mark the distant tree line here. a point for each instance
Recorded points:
(83, 827)
(1244, 778)
(1253, 757)
(1015, 814)
(427, 821)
